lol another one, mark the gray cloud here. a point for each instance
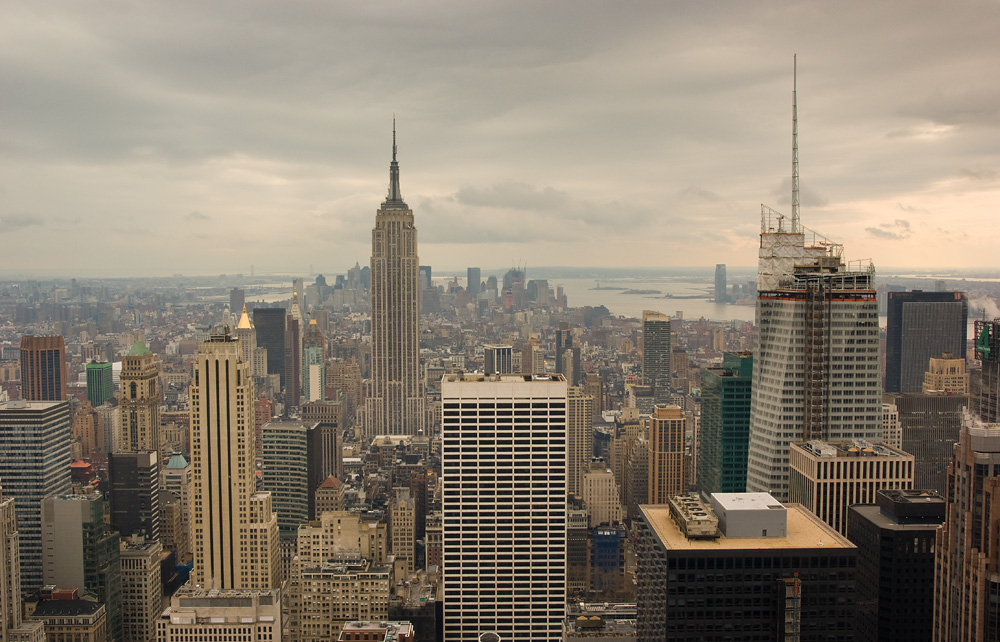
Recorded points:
(895, 231)
(14, 221)
(979, 173)
(197, 216)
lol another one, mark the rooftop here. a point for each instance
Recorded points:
(856, 448)
(66, 608)
(138, 349)
(804, 531)
(747, 501)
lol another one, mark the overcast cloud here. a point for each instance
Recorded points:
(202, 137)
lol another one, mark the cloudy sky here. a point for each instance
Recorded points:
(153, 138)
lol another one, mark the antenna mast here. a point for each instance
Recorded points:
(795, 148)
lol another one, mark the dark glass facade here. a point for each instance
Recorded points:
(922, 325)
(270, 325)
(725, 425)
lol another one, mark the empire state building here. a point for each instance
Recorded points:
(395, 405)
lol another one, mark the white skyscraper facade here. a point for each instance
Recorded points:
(504, 478)
(395, 405)
(816, 368)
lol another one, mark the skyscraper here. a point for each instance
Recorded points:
(237, 300)
(140, 400)
(725, 425)
(135, 493)
(922, 325)
(43, 368)
(396, 404)
(666, 454)
(34, 463)
(721, 292)
(579, 436)
(656, 354)
(100, 383)
(293, 354)
(235, 528)
(255, 356)
(984, 389)
(313, 364)
(498, 359)
(504, 532)
(816, 349)
(474, 283)
(270, 325)
(966, 584)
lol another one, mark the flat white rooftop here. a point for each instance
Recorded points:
(747, 501)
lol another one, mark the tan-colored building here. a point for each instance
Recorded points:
(828, 477)
(235, 530)
(892, 429)
(199, 615)
(173, 536)
(377, 632)
(13, 628)
(177, 478)
(72, 620)
(329, 496)
(579, 436)
(341, 532)
(142, 589)
(402, 529)
(600, 493)
(433, 536)
(946, 376)
(334, 593)
(593, 385)
(141, 397)
(254, 355)
(666, 453)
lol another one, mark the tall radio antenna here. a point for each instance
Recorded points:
(795, 148)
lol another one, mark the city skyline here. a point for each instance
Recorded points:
(631, 138)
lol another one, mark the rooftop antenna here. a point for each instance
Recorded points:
(795, 148)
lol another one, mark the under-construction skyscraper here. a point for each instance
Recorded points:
(816, 354)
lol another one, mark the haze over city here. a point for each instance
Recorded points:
(201, 138)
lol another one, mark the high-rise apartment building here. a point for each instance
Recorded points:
(579, 436)
(922, 325)
(135, 493)
(656, 354)
(402, 529)
(34, 463)
(396, 403)
(600, 494)
(895, 539)
(313, 364)
(829, 477)
(666, 454)
(43, 368)
(80, 551)
(141, 397)
(285, 473)
(966, 584)
(235, 528)
(270, 326)
(725, 425)
(100, 383)
(504, 532)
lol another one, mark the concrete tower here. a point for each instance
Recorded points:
(235, 529)
(396, 403)
(140, 402)
(504, 532)
(43, 368)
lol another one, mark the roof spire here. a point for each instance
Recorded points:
(394, 200)
(795, 148)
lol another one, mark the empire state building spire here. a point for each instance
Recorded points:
(394, 200)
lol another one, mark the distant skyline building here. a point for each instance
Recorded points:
(141, 398)
(43, 368)
(922, 325)
(34, 463)
(237, 300)
(721, 288)
(293, 353)
(100, 383)
(253, 354)
(504, 532)
(270, 326)
(396, 403)
(474, 283)
(235, 529)
(313, 364)
(656, 349)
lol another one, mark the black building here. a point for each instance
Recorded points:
(799, 585)
(270, 326)
(931, 425)
(134, 493)
(895, 540)
(922, 325)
